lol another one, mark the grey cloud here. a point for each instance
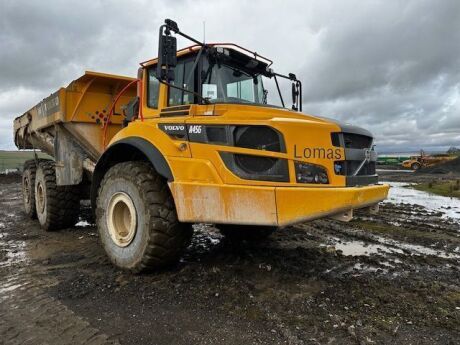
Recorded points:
(390, 66)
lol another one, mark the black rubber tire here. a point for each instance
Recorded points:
(252, 233)
(159, 238)
(28, 188)
(60, 205)
(415, 166)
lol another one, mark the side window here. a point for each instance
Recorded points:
(184, 77)
(242, 89)
(153, 88)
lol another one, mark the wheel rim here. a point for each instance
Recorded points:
(40, 196)
(121, 219)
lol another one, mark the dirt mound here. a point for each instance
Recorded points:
(13, 177)
(452, 166)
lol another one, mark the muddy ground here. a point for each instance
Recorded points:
(399, 174)
(386, 279)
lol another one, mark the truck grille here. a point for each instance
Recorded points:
(358, 149)
(347, 168)
(351, 140)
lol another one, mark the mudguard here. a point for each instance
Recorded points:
(124, 150)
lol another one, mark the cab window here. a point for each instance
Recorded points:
(153, 88)
(184, 77)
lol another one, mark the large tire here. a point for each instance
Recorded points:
(137, 219)
(57, 207)
(252, 233)
(28, 188)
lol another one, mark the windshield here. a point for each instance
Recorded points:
(223, 83)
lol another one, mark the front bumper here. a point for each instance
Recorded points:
(278, 206)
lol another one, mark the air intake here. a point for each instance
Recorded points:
(259, 138)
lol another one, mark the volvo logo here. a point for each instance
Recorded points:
(367, 155)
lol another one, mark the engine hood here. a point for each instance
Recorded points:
(255, 113)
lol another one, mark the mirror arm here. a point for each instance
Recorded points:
(191, 39)
(171, 25)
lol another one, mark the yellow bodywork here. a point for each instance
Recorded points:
(82, 107)
(204, 189)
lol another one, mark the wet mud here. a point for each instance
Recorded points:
(380, 279)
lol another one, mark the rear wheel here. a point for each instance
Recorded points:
(28, 188)
(57, 207)
(137, 219)
(251, 233)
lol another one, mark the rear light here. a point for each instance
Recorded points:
(252, 167)
(310, 173)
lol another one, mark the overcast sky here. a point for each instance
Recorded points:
(390, 66)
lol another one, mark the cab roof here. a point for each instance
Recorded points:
(230, 46)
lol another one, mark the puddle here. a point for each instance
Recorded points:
(9, 288)
(12, 251)
(387, 246)
(395, 170)
(415, 249)
(83, 223)
(399, 193)
(358, 248)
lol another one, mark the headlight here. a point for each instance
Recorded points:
(310, 173)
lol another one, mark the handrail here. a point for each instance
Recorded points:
(112, 109)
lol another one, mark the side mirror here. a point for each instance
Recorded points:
(295, 94)
(167, 60)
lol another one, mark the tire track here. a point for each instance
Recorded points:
(29, 316)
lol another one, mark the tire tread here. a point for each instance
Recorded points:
(63, 202)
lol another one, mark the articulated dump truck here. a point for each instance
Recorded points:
(193, 139)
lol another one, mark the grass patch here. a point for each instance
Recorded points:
(15, 159)
(445, 188)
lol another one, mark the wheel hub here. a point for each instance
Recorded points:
(40, 195)
(121, 219)
(26, 190)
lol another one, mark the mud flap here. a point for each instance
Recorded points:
(69, 159)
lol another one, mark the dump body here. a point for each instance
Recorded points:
(69, 124)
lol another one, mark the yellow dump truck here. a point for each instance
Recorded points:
(424, 160)
(192, 139)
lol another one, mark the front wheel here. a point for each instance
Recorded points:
(137, 219)
(253, 233)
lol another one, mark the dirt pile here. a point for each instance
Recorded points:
(452, 166)
(13, 177)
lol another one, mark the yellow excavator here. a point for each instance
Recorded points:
(193, 139)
